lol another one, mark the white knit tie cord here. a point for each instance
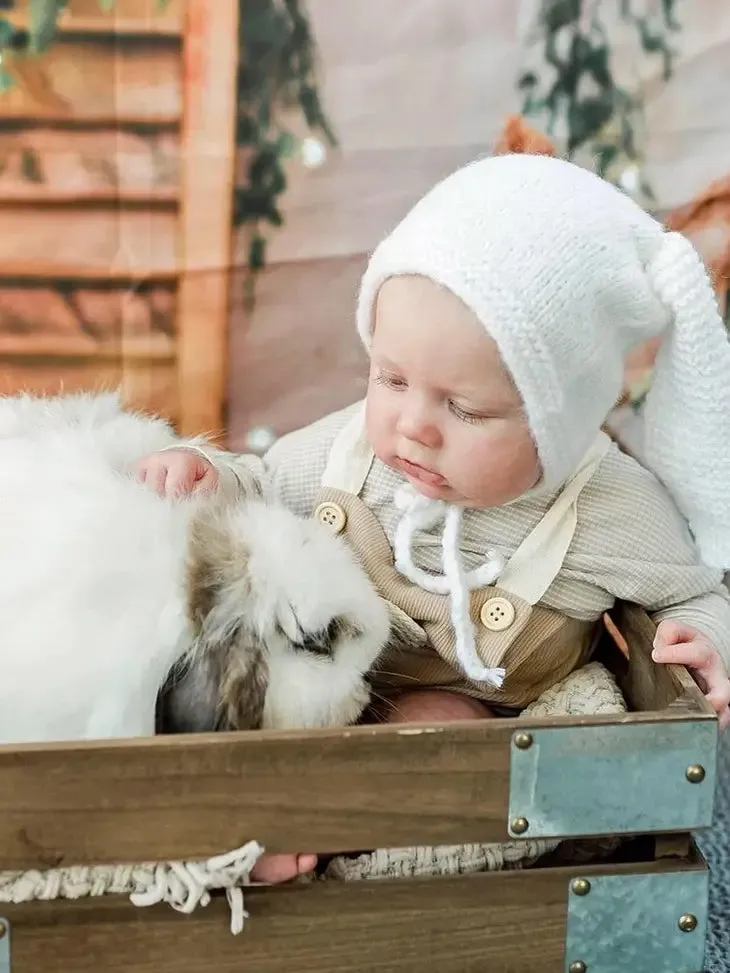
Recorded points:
(183, 885)
(420, 513)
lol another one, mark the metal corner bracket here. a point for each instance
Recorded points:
(4, 945)
(612, 778)
(645, 923)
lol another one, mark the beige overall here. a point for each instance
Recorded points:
(537, 646)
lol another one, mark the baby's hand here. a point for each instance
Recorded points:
(686, 646)
(177, 472)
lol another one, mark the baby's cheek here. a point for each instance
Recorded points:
(377, 427)
(500, 466)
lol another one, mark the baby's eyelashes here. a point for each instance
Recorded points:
(466, 415)
(390, 381)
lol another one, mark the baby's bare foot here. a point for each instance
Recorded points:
(273, 869)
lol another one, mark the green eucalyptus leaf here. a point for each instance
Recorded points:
(7, 33)
(559, 13)
(257, 252)
(42, 16)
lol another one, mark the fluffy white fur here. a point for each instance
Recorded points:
(98, 575)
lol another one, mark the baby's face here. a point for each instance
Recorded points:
(441, 407)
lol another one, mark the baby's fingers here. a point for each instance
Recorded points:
(695, 655)
(708, 670)
(718, 696)
(154, 474)
(208, 482)
(180, 480)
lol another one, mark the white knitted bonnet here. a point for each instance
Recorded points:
(568, 274)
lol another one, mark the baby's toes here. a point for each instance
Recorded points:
(273, 869)
(306, 864)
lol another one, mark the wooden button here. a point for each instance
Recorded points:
(497, 614)
(331, 515)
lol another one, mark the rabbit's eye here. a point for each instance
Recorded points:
(317, 643)
(323, 642)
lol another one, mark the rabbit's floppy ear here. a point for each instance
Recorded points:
(216, 687)
(223, 680)
(243, 686)
(217, 561)
(188, 700)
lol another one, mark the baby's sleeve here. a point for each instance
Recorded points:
(241, 474)
(633, 543)
(292, 469)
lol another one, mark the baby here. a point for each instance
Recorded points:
(474, 480)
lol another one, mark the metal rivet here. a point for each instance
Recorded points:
(578, 967)
(4, 928)
(695, 774)
(523, 741)
(580, 886)
(520, 825)
(687, 922)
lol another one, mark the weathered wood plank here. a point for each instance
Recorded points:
(501, 922)
(323, 791)
(38, 164)
(200, 795)
(145, 384)
(126, 16)
(649, 686)
(73, 321)
(101, 242)
(84, 80)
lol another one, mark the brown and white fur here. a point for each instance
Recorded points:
(121, 611)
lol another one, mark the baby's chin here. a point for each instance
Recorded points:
(435, 491)
(448, 494)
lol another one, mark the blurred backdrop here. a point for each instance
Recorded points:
(151, 155)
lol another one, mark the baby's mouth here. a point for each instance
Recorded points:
(420, 473)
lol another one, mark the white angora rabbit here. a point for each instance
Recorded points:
(247, 615)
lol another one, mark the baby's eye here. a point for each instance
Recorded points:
(465, 415)
(391, 381)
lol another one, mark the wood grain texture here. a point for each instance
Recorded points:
(326, 791)
(40, 164)
(501, 923)
(653, 687)
(73, 321)
(145, 382)
(103, 181)
(169, 798)
(102, 242)
(126, 15)
(205, 236)
(91, 80)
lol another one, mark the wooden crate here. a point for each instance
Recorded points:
(117, 151)
(337, 791)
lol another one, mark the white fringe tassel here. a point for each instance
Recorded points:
(183, 885)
